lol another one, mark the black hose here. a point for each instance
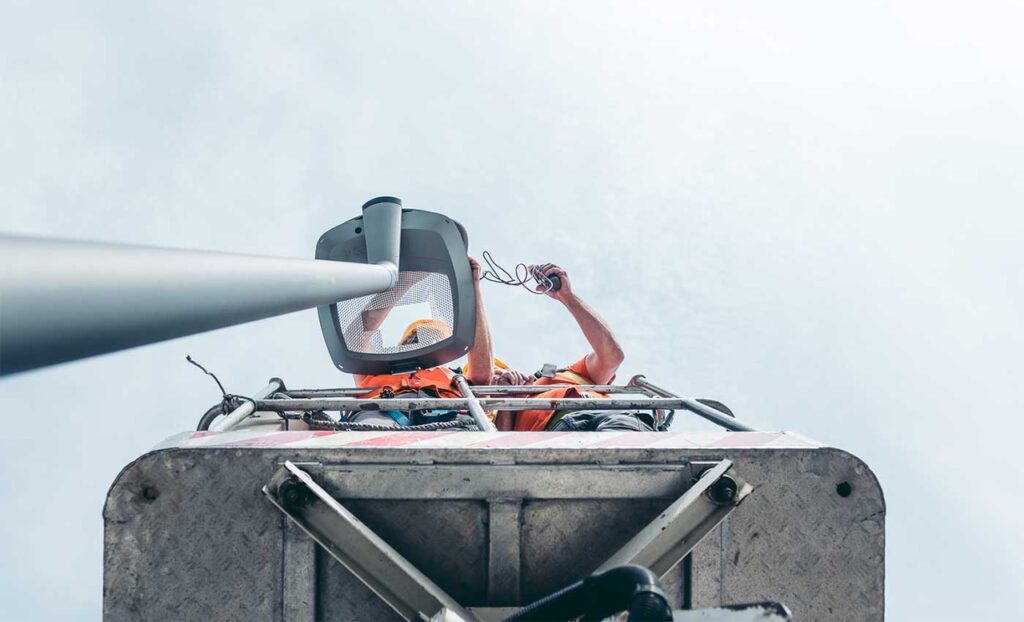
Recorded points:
(229, 403)
(627, 588)
(204, 422)
(648, 607)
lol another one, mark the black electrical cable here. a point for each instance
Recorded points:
(208, 373)
(228, 402)
(495, 273)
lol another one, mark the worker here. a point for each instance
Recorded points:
(435, 382)
(596, 368)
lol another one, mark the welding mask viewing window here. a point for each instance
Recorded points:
(426, 320)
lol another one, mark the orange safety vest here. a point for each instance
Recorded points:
(538, 420)
(438, 379)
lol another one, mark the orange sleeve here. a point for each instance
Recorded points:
(580, 367)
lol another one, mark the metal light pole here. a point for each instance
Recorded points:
(65, 300)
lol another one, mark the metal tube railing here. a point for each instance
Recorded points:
(487, 403)
(478, 390)
(477, 400)
(318, 393)
(473, 405)
(247, 408)
(692, 405)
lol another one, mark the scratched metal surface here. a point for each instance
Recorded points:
(796, 530)
(189, 535)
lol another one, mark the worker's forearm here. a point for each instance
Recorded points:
(504, 421)
(597, 332)
(480, 364)
(607, 354)
(374, 317)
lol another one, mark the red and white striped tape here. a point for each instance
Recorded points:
(491, 440)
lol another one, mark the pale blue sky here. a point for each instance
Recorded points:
(811, 211)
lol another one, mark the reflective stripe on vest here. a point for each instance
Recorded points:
(567, 376)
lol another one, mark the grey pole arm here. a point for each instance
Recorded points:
(65, 300)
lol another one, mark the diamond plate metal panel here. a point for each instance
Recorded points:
(181, 543)
(566, 540)
(188, 534)
(341, 596)
(446, 540)
(798, 541)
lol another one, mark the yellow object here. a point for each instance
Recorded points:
(500, 364)
(437, 325)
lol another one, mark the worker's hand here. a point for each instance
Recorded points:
(511, 377)
(474, 265)
(549, 270)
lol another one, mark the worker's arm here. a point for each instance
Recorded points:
(480, 363)
(374, 317)
(607, 355)
(505, 420)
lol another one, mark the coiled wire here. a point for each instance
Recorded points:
(495, 273)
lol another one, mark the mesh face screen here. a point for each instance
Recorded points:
(376, 324)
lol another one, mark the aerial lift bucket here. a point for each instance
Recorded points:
(257, 522)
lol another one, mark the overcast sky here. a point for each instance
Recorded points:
(810, 211)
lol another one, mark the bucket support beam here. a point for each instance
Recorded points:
(365, 554)
(666, 540)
